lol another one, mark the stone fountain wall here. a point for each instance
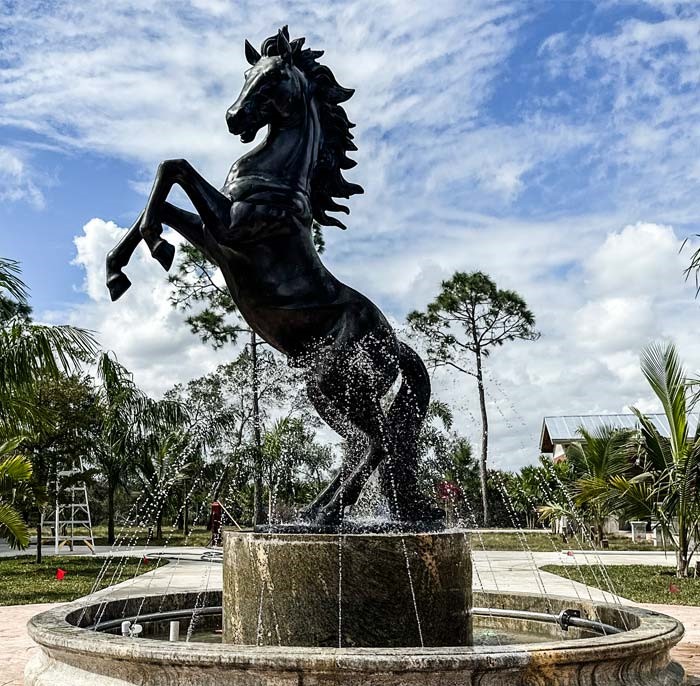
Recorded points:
(354, 590)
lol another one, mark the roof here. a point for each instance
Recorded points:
(564, 430)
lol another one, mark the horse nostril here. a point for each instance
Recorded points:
(231, 120)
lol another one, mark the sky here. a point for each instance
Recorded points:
(551, 144)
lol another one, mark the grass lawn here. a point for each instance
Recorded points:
(22, 581)
(544, 542)
(641, 583)
(199, 536)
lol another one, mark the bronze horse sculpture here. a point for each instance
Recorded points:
(258, 230)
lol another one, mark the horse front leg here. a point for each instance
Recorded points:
(187, 224)
(213, 207)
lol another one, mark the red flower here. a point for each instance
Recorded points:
(60, 573)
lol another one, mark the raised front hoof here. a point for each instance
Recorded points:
(164, 253)
(117, 284)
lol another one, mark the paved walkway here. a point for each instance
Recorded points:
(500, 570)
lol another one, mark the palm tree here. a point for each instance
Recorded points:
(15, 474)
(526, 492)
(129, 418)
(30, 352)
(162, 467)
(668, 487)
(593, 465)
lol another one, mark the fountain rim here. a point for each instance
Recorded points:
(54, 633)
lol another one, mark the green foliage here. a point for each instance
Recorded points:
(593, 465)
(130, 425)
(471, 315)
(293, 461)
(15, 474)
(666, 484)
(31, 355)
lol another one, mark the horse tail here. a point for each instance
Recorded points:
(405, 419)
(410, 406)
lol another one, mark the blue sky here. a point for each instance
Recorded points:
(551, 144)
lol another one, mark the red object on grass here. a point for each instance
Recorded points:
(672, 588)
(146, 561)
(60, 573)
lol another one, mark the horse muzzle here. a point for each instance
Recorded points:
(241, 123)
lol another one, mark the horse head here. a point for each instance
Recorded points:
(274, 88)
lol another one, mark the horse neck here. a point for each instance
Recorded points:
(289, 153)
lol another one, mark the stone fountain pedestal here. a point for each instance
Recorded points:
(347, 590)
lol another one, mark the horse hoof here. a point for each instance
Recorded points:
(164, 253)
(118, 284)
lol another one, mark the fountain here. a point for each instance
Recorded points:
(329, 599)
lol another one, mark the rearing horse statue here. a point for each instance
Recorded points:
(258, 230)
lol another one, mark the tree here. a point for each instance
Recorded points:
(31, 354)
(161, 466)
(30, 351)
(128, 417)
(64, 433)
(289, 448)
(593, 465)
(527, 491)
(468, 319)
(214, 317)
(221, 410)
(217, 322)
(15, 474)
(667, 485)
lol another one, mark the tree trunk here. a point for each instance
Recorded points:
(258, 510)
(159, 524)
(110, 513)
(484, 438)
(682, 560)
(38, 542)
(186, 514)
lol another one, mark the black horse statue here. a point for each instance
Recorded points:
(258, 229)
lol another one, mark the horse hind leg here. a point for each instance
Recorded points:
(337, 420)
(371, 421)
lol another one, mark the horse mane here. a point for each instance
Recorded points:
(327, 180)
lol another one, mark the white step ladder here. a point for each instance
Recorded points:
(72, 521)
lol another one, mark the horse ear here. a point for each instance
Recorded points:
(251, 54)
(284, 50)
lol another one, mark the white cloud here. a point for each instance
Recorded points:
(16, 182)
(449, 184)
(142, 328)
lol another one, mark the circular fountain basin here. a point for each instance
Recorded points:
(72, 653)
